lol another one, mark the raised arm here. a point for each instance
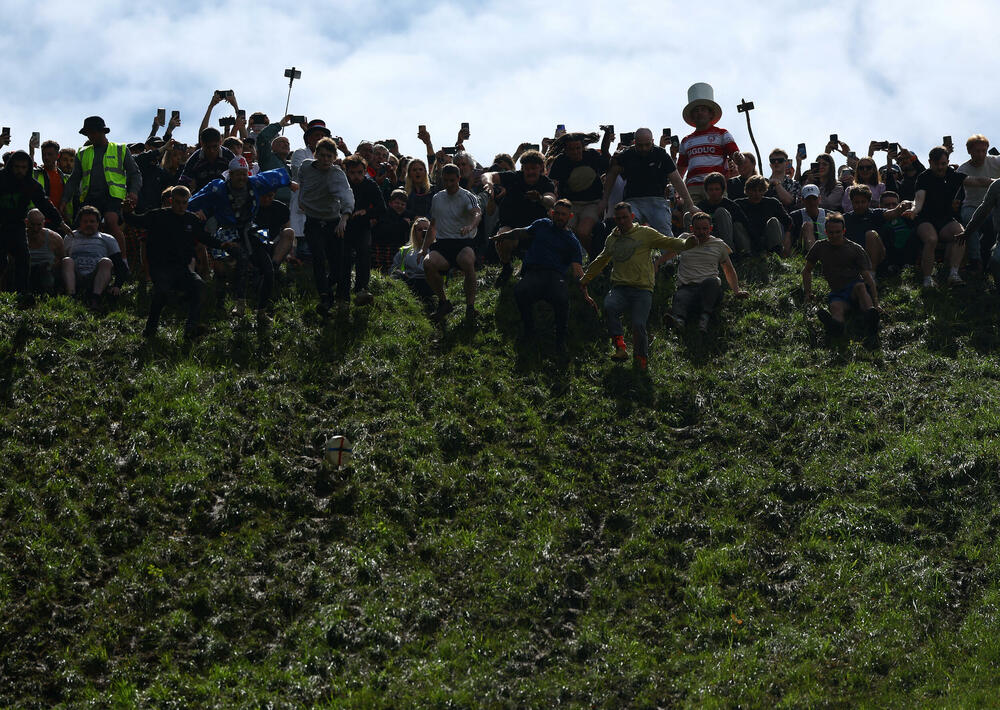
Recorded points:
(208, 114)
(681, 187)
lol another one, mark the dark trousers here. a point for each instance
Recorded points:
(692, 298)
(327, 257)
(174, 278)
(14, 242)
(257, 255)
(42, 280)
(357, 253)
(543, 285)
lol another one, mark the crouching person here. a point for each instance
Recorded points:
(171, 235)
(699, 287)
(848, 271)
(92, 259)
(552, 251)
(408, 264)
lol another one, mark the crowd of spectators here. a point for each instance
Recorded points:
(245, 203)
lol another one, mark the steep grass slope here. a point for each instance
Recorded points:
(764, 519)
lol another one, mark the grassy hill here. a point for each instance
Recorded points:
(764, 519)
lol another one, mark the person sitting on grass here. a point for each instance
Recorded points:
(699, 288)
(809, 223)
(552, 249)
(171, 235)
(408, 264)
(848, 271)
(897, 236)
(767, 217)
(863, 224)
(91, 257)
(628, 249)
(729, 223)
(451, 241)
(45, 249)
(934, 218)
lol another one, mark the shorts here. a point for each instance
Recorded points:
(843, 294)
(939, 223)
(105, 204)
(450, 249)
(584, 210)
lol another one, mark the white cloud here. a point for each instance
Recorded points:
(513, 70)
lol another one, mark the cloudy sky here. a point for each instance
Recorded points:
(904, 71)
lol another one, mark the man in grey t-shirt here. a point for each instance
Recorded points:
(91, 256)
(455, 216)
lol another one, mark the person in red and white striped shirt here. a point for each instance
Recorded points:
(704, 151)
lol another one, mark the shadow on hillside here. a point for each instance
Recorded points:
(958, 313)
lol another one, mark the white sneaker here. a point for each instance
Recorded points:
(929, 282)
(955, 279)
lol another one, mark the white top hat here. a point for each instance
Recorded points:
(701, 94)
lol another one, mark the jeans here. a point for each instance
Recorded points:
(695, 297)
(168, 278)
(637, 302)
(543, 285)
(327, 254)
(973, 240)
(654, 211)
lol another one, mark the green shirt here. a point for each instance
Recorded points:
(631, 258)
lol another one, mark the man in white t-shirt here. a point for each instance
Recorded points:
(699, 287)
(982, 169)
(91, 257)
(450, 243)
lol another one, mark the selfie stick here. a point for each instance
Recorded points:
(746, 107)
(292, 75)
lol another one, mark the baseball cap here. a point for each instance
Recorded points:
(810, 191)
(239, 163)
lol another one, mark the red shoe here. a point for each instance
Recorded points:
(641, 363)
(621, 352)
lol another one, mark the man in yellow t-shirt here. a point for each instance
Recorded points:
(629, 248)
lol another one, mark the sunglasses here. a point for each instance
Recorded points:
(778, 160)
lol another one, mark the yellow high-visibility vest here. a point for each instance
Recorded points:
(114, 169)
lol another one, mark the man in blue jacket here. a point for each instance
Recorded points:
(552, 250)
(233, 200)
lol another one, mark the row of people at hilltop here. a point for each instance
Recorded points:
(257, 205)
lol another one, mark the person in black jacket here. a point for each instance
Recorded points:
(172, 233)
(767, 217)
(725, 213)
(17, 191)
(369, 206)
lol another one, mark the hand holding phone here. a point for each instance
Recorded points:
(161, 116)
(800, 153)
